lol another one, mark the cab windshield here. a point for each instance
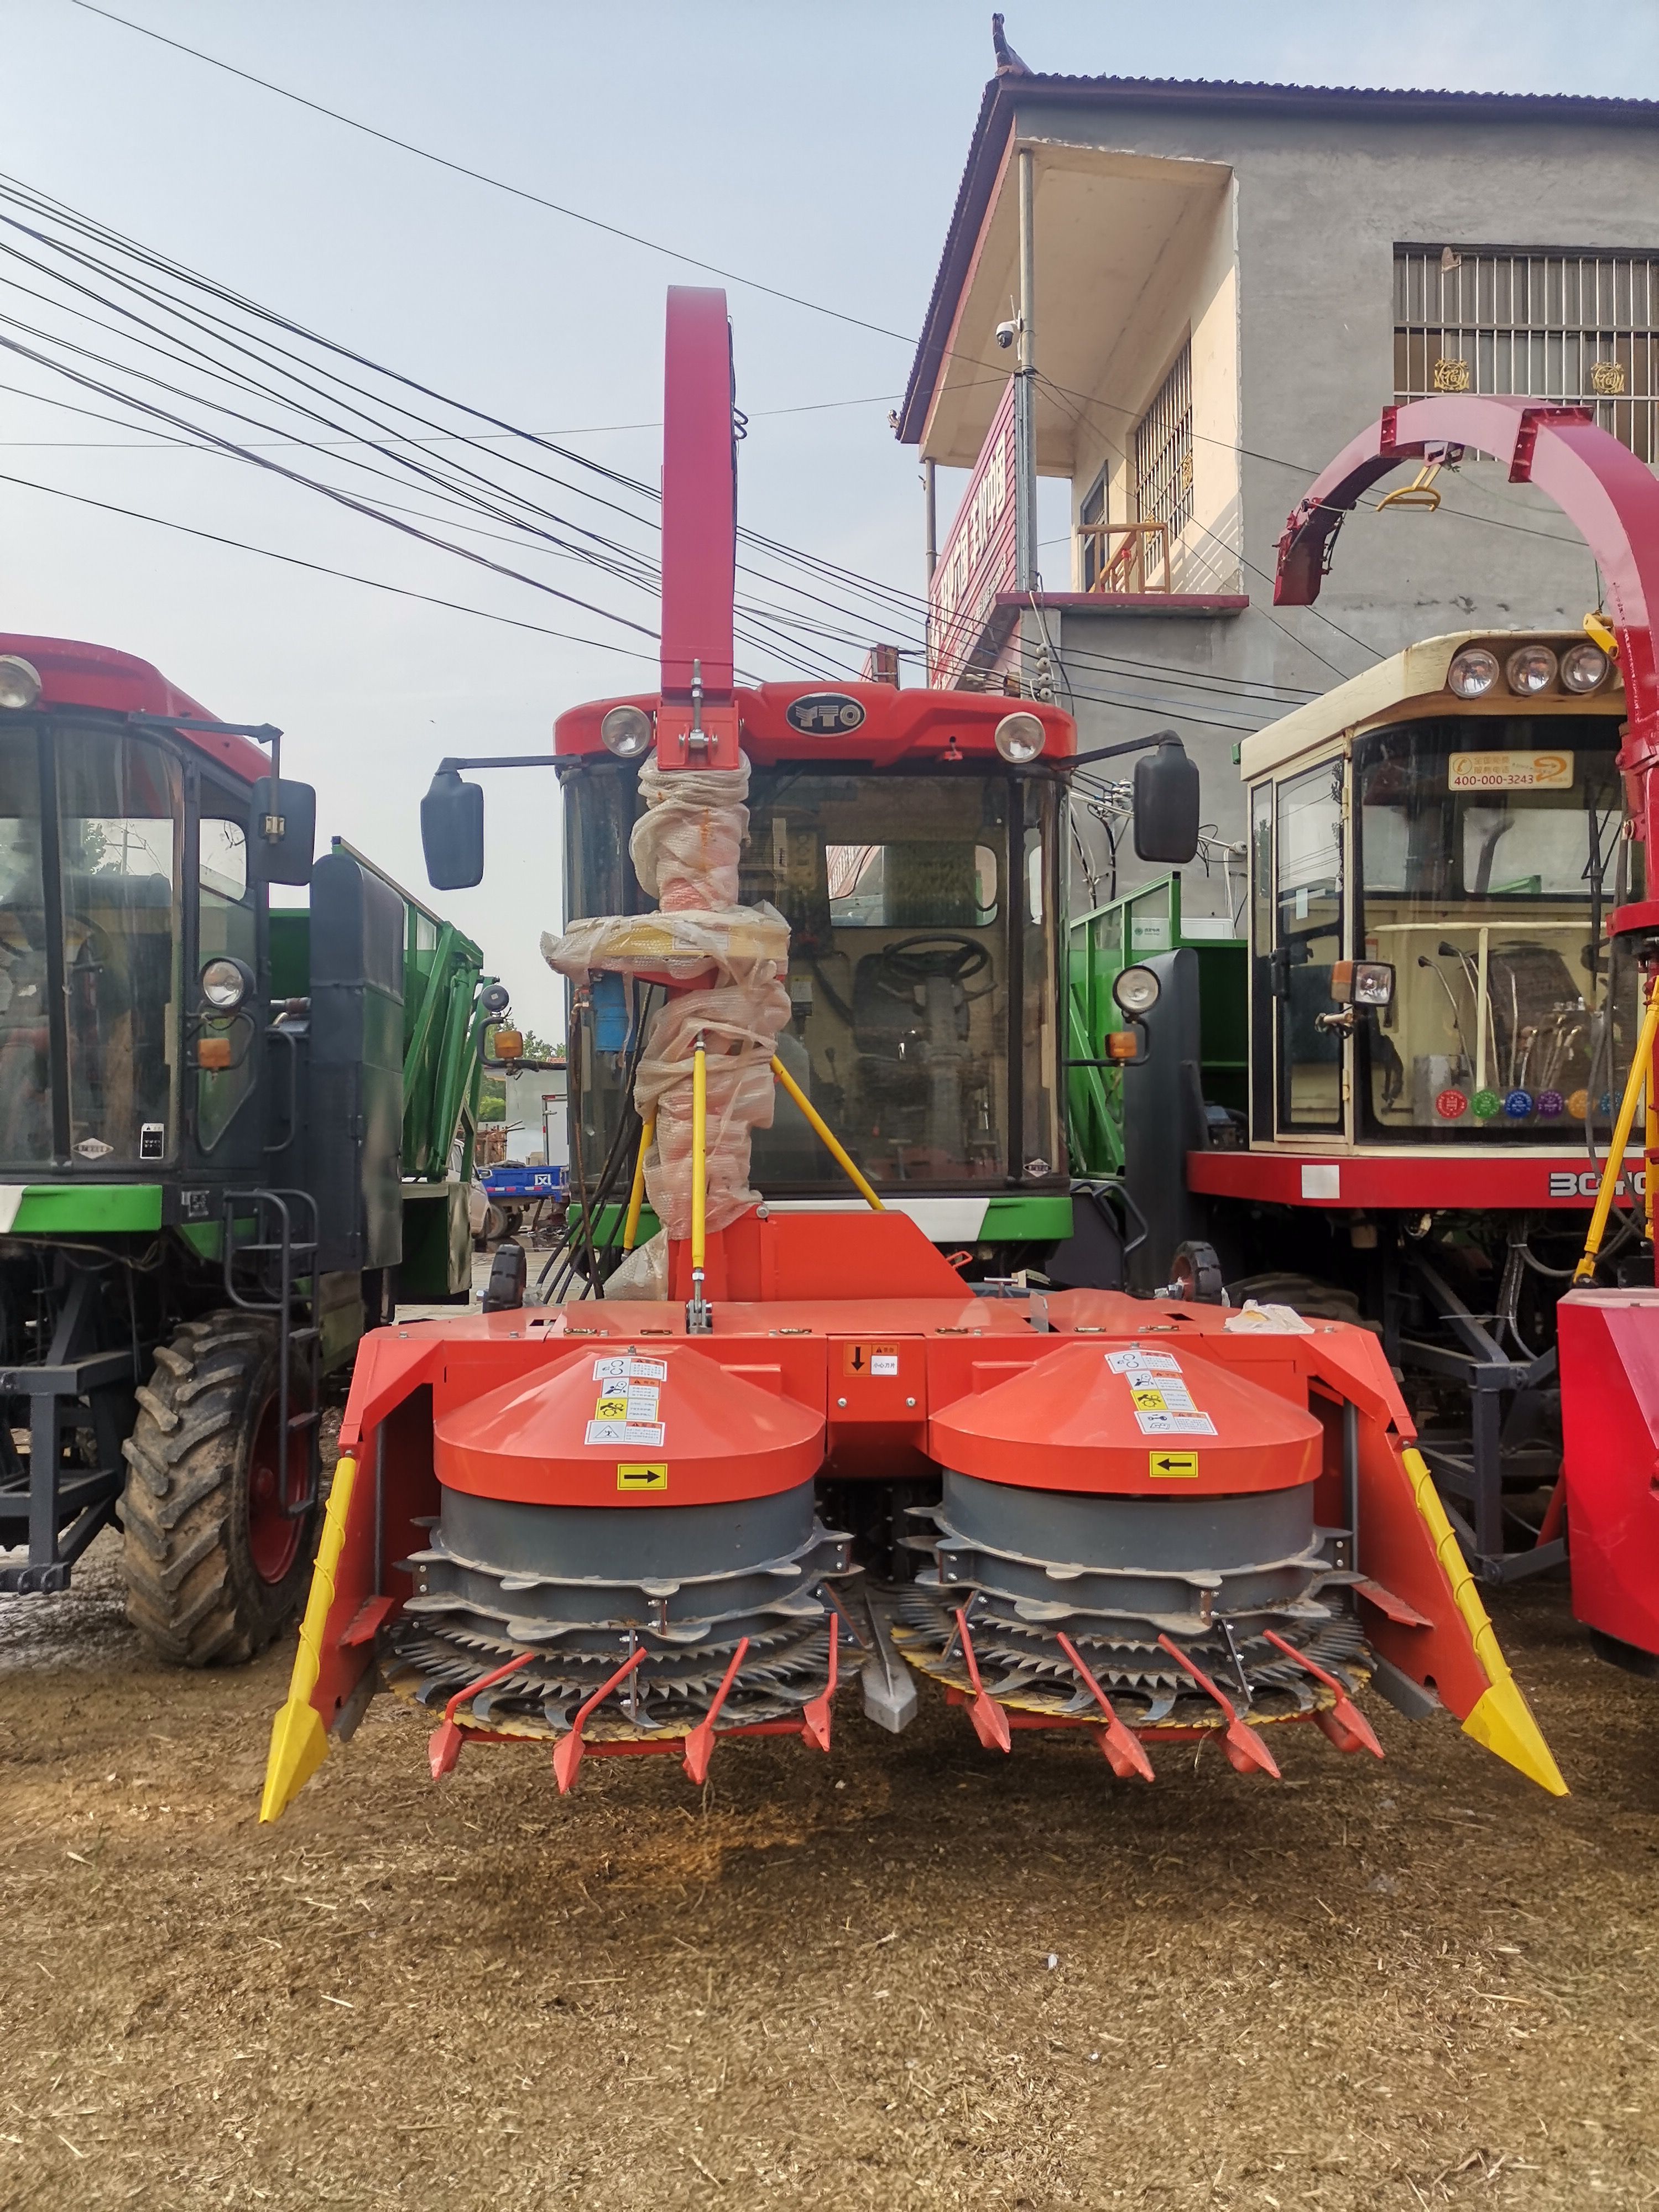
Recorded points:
(89, 948)
(921, 913)
(1488, 853)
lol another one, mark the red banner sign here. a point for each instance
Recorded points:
(978, 560)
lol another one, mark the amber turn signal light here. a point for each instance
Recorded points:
(213, 1052)
(1121, 1045)
(509, 1045)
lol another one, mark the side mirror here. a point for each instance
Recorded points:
(1362, 983)
(284, 829)
(452, 832)
(1166, 804)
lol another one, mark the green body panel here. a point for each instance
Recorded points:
(1035, 1220)
(437, 1261)
(290, 952)
(1102, 943)
(89, 1209)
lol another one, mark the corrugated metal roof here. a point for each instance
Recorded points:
(995, 120)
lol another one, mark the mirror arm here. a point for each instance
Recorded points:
(502, 759)
(1113, 752)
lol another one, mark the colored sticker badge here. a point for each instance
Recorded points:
(1517, 1105)
(1551, 1105)
(1178, 1466)
(1486, 1103)
(1578, 1104)
(1451, 1105)
(1175, 1425)
(651, 1476)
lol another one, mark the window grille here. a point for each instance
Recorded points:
(1163, 452)
(1579, 328)
(1091, 512)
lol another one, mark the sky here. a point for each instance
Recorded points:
(816, 149)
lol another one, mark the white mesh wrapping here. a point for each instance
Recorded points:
(685, 850)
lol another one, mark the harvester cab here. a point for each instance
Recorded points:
(227, 1140)
(1453, 946)
(786, 1436)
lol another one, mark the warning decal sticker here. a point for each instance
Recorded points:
(629, 1370)
(1175, 1425)
(1137, 1357)
(1163, 1465)
(652, 1476)
(648, 1433)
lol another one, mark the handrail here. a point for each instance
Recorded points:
(1122, 570)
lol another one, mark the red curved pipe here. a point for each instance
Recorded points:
(1598, 484)
(699, 495)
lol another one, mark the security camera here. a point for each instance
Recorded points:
(1005, 333)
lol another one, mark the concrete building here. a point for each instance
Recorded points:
(1222, 284)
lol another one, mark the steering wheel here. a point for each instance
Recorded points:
(947, 952)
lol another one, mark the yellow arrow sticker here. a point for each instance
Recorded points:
(651, 1476)
(1181, 1464)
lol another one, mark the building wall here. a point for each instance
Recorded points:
(1318, 204)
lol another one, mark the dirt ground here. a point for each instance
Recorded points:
(914, 1974)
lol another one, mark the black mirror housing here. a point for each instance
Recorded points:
(1166, 804)
(285, 852)
(452, 832)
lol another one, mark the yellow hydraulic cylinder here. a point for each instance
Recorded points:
(1641, 1067)
(636, 1195)
(699, 1157)
(827, 1137)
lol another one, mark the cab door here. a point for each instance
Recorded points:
(1311, 1046)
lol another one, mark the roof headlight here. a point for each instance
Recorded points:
(1584, 667)
(626, 732)
(1530, 668)
(1136, 990)
(20, 682)
(226, 983)
(1472, 672)
(1019, 739)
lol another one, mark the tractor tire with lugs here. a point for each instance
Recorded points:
(213, 1570)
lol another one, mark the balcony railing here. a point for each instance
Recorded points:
(1119, 558)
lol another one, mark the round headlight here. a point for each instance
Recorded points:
(626, 732)
(1472, 672)
(19, 682)
(495, 998)
(225, 984)
(1583, 667)
(1530, 668)
(1019, 739)
(1136, 990)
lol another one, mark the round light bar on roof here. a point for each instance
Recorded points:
(1472, 672)
(1584, 667)
(1019, 739)
(20, 682)
(626, 732)
(1530, 668)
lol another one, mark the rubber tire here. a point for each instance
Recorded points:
(193, 1592)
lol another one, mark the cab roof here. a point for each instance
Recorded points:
(1417, 679)
(73, 674)
(848, 725)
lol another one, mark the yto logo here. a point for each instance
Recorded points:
(824, 714)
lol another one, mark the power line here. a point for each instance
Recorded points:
(321, 568)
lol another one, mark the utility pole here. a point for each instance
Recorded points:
(1026, 531)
